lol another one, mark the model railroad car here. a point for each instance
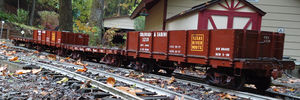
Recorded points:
(232, 57)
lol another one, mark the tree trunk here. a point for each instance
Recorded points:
(65, 15)
(1, 5)
(32, 13)
(97, 17)
(119, 8)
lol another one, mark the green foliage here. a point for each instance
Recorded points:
(7, 17)
(23, 26)
(22, 16)
(119, 7)
(81, 9)
(50, 18)
(139, 23)
(80, 27)
(51, 3)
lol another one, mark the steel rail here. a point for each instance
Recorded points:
(130, 81)
(95, 83)
(82, 78)
(219, 89)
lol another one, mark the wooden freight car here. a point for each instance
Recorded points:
(234, 57)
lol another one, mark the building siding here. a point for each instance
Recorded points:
(156, 16)
(119, 22)
(285, 14)
(189, 22)
(177, 6)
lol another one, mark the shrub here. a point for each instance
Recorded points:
(7, 17)
(22, 16)
(49, 19)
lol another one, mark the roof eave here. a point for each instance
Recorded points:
(145, 4)
(262, 13)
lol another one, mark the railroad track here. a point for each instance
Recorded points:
(219, 89)
(52, 65)
(268, 92)
(154, 88)
(74, 82)
(83, 78)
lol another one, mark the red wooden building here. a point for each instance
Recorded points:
(214, 14)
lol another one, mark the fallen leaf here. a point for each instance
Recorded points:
(19, 72)
(78, 62)
(139, 76)
(162, 85)
(14, 59)
(52, 57)
(62, 60)
(138, 90)
(3, 68)
(65, 79)
(171, 87)
(35, 91)
(42, 57)
(171, 80)
(3, 73)
(230, 97)
(68, 58)
(44, 93)
(162, 71)
(131, 74)
(13, 52)
(276, 89)
(34, 71)
(111, 81)
(150, 79)
(182, 71)
(292, 89)
(111, 71)
(3, 42)
(129, 90)
(250, 86)
(84, 69)
(36, 52)
(44, 78)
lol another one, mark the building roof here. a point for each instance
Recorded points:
(145, 4)
(119, 22)
(148, 4)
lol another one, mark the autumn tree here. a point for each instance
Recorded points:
(65, 15)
